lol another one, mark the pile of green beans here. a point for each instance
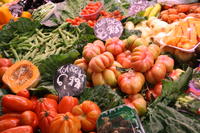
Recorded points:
(42, 44)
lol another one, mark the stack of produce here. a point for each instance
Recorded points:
(175, 13)
(146, 79)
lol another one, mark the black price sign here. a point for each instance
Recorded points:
(108, 28)
(70, 80)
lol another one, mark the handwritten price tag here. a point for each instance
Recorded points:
(70, 80)
(108, 28)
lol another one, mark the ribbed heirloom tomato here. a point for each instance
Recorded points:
(115, 46)
(82, 63)
(101, 62)
(93, 49)
(125, 59)
(44, 104)
(88, 113)
(156, 73)
(45, 119)
(65, 123)
(108, 76)
(131, 82)
(142, 59)
(167, 61)
(137, 102)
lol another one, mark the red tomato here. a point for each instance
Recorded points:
(10, 115)
(29, 118)
(8, 123)
(88, 112)
(16, 103)
(67, 103)
(5, 62)
(44, 104)
(45, 119)
(51, 96)
(19, 129)
(34, 100)
(24, 93)
(2, 71)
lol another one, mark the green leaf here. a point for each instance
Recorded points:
(104, 96)
(43, 89)
(22, 26)
(171, 90)
(49, 66)
(164, 119)
(136, 19)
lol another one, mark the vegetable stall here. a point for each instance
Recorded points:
(99, 66)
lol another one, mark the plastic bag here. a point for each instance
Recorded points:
(176, 2)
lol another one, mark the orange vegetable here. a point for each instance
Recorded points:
(21, 75)
(88, 113)
(5, 15)
(65, 123)
(183, 8)
(26, 14)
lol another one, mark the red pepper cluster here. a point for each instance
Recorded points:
(92, 8)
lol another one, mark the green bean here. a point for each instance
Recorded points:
(15, 53)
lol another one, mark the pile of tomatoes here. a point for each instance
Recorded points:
(92, 13)
(26, 114)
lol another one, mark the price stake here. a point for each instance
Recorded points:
(108, 28)
(70, 80)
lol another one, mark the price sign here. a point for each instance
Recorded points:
(108, 28)
(70, 80)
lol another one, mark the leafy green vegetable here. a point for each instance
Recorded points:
(136, 19)
(162, 118)
(103, 95)
(48, 67)
(20, 27)
(43, 89)
(86, 36)
(165, 119)
(172, 89)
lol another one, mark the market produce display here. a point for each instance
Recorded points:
(99, 66)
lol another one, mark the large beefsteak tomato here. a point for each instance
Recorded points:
(131, 82)
(65, 123)
(88, 112)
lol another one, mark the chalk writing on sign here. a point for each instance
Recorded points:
(70, 80)
(108, 28)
